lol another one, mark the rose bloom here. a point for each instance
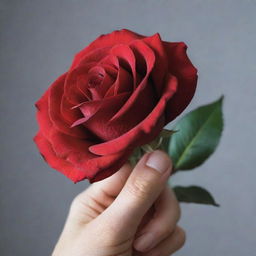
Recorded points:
(118, 94)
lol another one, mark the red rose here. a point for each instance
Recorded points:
(118, 94)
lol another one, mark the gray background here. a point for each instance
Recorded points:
(38, 41)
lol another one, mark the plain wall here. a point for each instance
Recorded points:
(37, 42)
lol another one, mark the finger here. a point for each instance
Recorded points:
(94, 200)
(170, 245)
(163, 223)
(113, 185)
(142, 188)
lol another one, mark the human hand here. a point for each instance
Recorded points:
(131, 213)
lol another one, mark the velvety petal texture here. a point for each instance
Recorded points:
(118, 94)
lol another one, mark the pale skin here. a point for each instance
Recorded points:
(132, 213)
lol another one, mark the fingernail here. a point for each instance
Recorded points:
(144, 242)
(158, 161)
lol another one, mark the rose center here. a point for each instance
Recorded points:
(95, 80)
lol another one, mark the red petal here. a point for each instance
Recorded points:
(42, 115)
(114, 163)
(64, 145)
(79, 121)
(116, 37)
(111, 60)
(95, 55)
(89, 109)
(161, 64)
(103, 111)
(186, 73)
(125, 55)
(104, 81)
(145, 131)
(107, 83)
(55, 162)
(68, 112)
(75, 86)
(139, 108)
(124, 82)
(90, 166)
(110, 70)
(55, 97)
(143, 96)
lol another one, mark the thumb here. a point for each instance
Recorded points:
(140, 191)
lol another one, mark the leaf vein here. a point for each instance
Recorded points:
(183, 154)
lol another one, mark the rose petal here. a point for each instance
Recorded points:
(123, 36)
(114, 163)
(94, 56)
(161, 63)
(124, 82)
(183, 69)
(75, 86)
(77, 76)
(64, 145)
(110, 60)
(68, 112)
(98, 123)
(125, 55)
(90, 166)
(42, 115)
(90, 108)
(110, 70)
(55, 162)
(106, 84)
(146, 131)
(54, 102)
(138, 109)
(80, 121)
(140, 97)
(99, 91)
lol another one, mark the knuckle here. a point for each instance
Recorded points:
(168, 230)
(165, 230)
(75, 204)
(180, 236)
(140, 187)
(79, 203)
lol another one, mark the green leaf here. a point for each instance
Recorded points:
(198, 136)
(194, 194)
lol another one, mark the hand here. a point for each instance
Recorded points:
(131, 213)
